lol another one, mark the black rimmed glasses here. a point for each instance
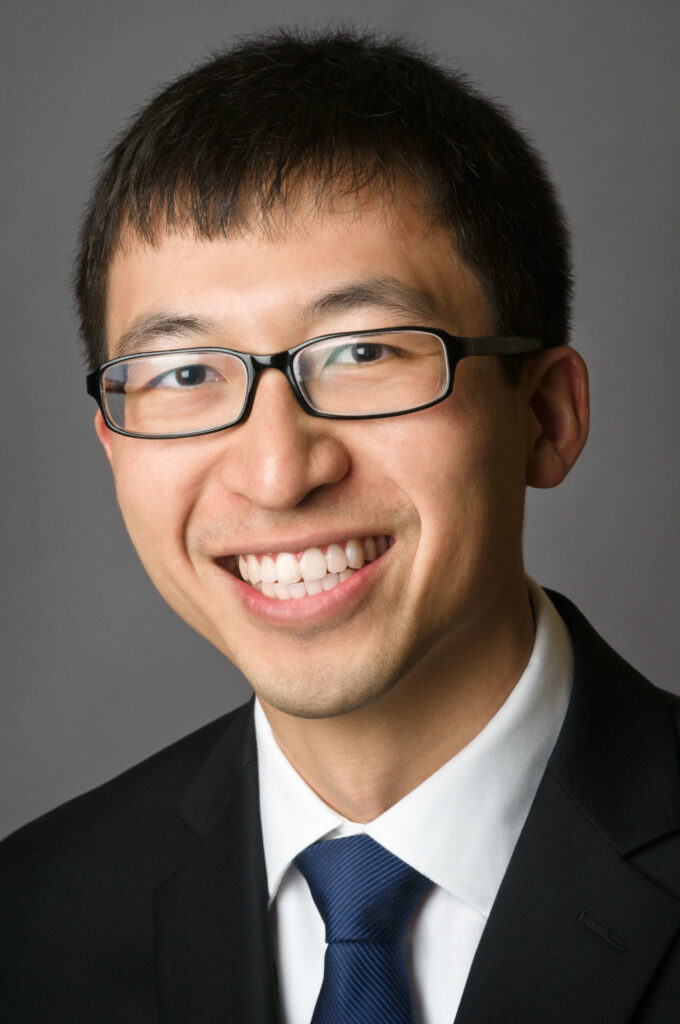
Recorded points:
(362, 375)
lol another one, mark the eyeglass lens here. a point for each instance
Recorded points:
(380, 373)
(192, 391)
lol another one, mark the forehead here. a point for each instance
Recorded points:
(312, 270)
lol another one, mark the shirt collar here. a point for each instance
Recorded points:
(460, 826)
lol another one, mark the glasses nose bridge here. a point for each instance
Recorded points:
(272, 361)
(280, 361)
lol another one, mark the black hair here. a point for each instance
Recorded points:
(230, 142)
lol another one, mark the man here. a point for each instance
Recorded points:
(324, 288)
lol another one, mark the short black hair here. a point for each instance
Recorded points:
(231, 141)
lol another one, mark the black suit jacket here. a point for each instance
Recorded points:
(145, 900)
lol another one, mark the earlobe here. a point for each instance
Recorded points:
(104, 434)
(557, 393)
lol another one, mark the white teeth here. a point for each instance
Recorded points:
(354, 553)
(254, 574)
(312, 565)
(286, 592)
(268, 570)
(370, 550)
(285, 576)
(287, 568)
(335, 558)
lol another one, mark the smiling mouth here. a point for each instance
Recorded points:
(286, 575)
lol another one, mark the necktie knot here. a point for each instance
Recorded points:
(362, 891)
(366, 897)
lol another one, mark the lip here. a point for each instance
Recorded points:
(311, 609)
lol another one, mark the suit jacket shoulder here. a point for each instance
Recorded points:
(585, 925)
(78, 938)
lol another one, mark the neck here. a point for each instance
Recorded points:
(363, 762)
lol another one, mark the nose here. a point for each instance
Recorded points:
(280, 454)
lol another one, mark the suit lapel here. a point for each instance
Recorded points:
(576, 931)
(213, 957)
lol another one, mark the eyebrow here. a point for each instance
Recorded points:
(385, 293)
(146, 328)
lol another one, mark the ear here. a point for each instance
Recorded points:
(556, 389)
(104, 434)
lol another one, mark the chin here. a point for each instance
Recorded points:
(326, 693)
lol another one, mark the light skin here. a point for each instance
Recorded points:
(371, 688)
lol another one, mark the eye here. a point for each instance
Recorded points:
(360, 352)
(185, 377)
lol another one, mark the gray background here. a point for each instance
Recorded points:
(97, 671)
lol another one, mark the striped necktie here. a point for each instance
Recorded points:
(366, 897)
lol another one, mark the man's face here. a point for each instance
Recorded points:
(444, 485)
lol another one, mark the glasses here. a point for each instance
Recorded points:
(363, 375)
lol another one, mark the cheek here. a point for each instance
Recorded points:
(464, 478)
(447, 465)
(155, 490)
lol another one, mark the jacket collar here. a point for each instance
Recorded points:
(617, 755)
(576, 929)
(213, 956)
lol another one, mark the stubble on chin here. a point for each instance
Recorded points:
(324, 690)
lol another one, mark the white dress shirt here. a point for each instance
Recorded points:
(458, 827)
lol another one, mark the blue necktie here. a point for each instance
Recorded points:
(366, 897)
